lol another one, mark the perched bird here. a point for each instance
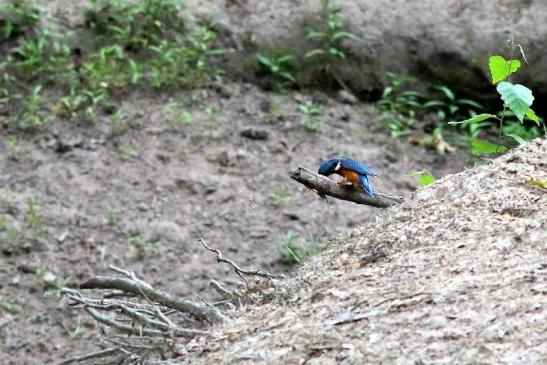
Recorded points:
(352, 171)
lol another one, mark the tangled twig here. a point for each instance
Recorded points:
(238, 270)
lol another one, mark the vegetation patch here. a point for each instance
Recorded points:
(140, 44)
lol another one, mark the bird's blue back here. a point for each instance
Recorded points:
(357, 166)
(327, 167)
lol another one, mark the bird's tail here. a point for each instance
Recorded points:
(367, 186)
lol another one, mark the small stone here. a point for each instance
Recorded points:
(62, 237)
(438, 322)
(68, 143)
(255, 134)
(347, 97)
(49, 278)
(143, 207)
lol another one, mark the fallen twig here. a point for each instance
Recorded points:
(139, 287)
(239, 271)
(91, 355)
(325, 186)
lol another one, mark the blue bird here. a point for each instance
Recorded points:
(352, 171)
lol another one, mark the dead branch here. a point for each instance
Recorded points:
(91, 355)
(239, 271)
(323, 186)
(139, 287)
(147, 322)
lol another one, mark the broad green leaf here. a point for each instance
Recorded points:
(476, 119)
(517, 97)
(482, 147)
(530, 114)
(516, 137)
(500, 68)
(424, 177)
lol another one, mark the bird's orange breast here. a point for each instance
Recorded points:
(350, 176)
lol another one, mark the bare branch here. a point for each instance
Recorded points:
(239, 271)
(91, 355)
(325, 186)
(141, 288)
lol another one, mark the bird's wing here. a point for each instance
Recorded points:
(327, 166)
(357, 166)
(367, 186)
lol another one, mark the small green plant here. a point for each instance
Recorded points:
(136, 25)
(312, 116)
(32, 218)
(517, 99)
(424, 177)
(17, 17)
(112, 216)
(173, 64)
(8, 307)
(144, 248)
(399, 106)
(176, 116)
(450, 108)
(296, 249)
(127, 150)
(328, 36)
(14, 145)
(279, 68)
(281, 198)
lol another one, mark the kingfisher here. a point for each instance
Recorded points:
(352, 171)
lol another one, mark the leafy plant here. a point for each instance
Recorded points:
(450, 108)
(32, 218)
(296, 249)
(279, 68)
(517, 99)
(136, 25)
(312, 116)
(178, 117)
(17, 17)
(281, 198)
(328, 36)
(399, 106)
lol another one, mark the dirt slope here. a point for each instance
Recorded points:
(458, 275)
(137, 191)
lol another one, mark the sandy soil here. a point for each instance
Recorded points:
(138, 192)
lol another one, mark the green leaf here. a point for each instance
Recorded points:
(476, 119)
(500, 68)
(341, 35)
(424, 177)
(538, 183)
(530, 114)
(285, 58)
(482, 147)
(517, 97)
(516, 137)
(470, 103)
(447, 92)
(434, 103)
